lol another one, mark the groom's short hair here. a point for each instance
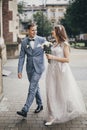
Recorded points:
(31, 25)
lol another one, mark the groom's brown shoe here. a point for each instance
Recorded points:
(22, 113)
(38, 109)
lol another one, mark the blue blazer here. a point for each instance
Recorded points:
(35, 57)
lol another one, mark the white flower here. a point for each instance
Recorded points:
(46, 43)
(27, 46)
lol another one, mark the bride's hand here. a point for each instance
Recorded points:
(49, 56)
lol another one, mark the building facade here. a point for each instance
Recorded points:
(1, 39)
(10, 21)
(10, 27)
(54, 10)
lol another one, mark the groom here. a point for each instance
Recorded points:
(31, 47)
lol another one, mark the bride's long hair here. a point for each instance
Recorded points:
(61, 34)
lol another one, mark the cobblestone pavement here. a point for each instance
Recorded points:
(15, 92)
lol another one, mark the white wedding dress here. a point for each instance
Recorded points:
(64, 99)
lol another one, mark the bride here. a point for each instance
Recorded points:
(64, 99)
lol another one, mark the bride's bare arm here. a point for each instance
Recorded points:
(66, 55)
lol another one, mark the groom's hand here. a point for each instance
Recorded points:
(19, 75)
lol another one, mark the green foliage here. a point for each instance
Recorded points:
(75, 19)
(44, 26)
(21, 4)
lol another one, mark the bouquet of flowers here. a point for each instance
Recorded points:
(47, 48)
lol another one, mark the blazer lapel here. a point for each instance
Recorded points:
(30, 48)
(28, 42)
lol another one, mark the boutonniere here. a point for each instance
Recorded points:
(27, 46)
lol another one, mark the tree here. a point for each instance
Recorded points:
(72, 32)
(21, 4)
(44, 26)
(76, 16)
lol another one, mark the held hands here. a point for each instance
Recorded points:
(19, 75)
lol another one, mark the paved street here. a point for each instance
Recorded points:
(15, 92)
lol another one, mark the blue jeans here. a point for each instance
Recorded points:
(33, 91)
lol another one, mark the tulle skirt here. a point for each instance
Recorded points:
(64, 98)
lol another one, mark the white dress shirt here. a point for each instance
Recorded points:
(32, 42)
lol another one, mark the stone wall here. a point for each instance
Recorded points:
(10, 21)
(7, 16)
(1, 84)
(14, 23)
(10, 27)
(12, 50)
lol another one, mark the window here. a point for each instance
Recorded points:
(52, 13)
(60, 10)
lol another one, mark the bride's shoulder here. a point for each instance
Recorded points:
(66, 43)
